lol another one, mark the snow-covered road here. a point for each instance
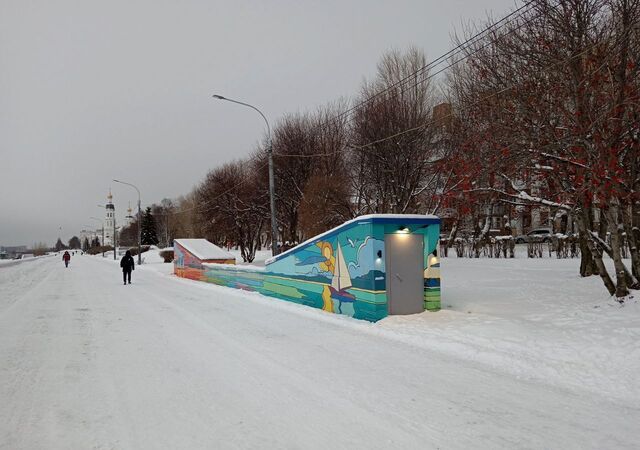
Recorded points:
(86, 363)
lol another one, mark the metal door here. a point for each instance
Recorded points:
(404, 273)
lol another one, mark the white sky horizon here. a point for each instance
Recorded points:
(92, 91)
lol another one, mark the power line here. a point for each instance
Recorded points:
(514, 15)
(432, 121)
(506, 88)
(208, 202)
(460, 48)
(518, 13)
(454, 51)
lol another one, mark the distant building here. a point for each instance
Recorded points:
(90, 235)
(109, 221)
(128, 220)
(443, 116)
(499, 216)
(12, 252)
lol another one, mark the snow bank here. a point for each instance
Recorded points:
(260, 257)
(152, 257)
(246, 267)
(203, 249)
(13, 262)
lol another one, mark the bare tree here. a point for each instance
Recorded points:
(553, 99)
(294, 144)
(184, 223)
(391, 165)
(232, 207)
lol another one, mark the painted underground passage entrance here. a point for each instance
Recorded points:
(367, 268)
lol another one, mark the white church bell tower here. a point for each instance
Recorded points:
(109, 221)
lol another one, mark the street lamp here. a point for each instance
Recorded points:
(272, 193)
(95, 218)
(139, 219)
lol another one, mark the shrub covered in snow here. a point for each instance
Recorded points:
(99, 249)
(167, 255)
(134, 250)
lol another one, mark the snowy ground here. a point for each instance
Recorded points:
(14, 262)
(537, 319)
(524, 355)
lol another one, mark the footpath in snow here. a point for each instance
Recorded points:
(512, 362)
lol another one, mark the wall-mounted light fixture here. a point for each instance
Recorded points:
(379, 258)
(403, 229)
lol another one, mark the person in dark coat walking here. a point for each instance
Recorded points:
(127, 265)
(66, 258)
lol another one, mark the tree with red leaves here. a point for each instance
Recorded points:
(548, 108)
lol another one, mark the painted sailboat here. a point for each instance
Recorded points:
(341, 281)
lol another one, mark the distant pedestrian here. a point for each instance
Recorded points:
(66, 258)
(127, 265)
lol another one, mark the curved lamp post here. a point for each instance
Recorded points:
(272, 194)
(139, 219)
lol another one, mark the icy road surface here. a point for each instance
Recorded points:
(87, 363)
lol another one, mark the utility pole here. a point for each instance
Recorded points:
(167, 231)
(115, 246)
(139, 231)
(272, 189)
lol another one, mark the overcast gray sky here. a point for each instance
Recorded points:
(96, 90)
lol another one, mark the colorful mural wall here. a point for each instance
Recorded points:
(340, 271)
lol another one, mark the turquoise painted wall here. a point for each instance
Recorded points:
(339, 271)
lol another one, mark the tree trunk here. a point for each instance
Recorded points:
(636, 235)
(622, 289)
(452, 237)
(582, 220)
(603, 226)
(631, 280)
(482, 238)
(587, 264)
(632, 239)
